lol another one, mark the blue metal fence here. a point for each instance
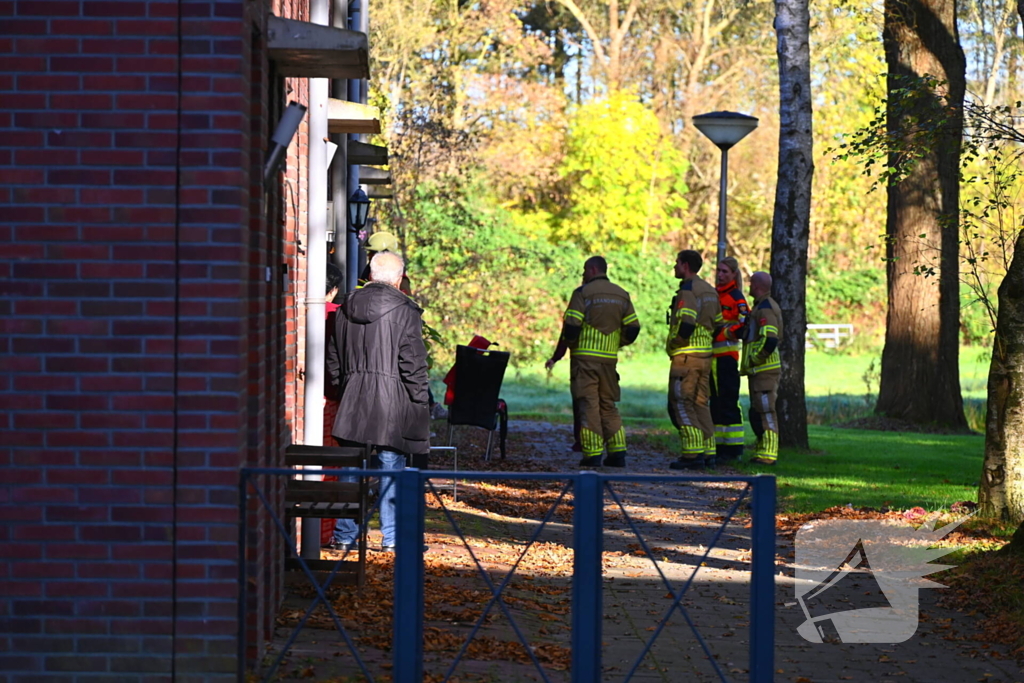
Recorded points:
(589, 490)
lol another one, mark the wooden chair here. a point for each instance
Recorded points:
(331, 500)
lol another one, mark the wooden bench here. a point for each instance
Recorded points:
(330, 500)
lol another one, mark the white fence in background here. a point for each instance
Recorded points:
(828, 336)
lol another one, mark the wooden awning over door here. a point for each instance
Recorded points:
(305, 50)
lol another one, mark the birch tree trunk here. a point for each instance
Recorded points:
(792, 219)
(920, 379)
(1002, 482)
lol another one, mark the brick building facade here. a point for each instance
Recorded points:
(151, 310)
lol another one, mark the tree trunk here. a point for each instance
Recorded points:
(791, 222)
(1016, 545)
(1002, 483)
(1001, 497)
(920, 379)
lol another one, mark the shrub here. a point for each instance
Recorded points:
(475, 273)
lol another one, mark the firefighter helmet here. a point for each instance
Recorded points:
(382, 241)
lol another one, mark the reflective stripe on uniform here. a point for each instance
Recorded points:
(692, 441)
(729, 435)
(690, 349)
(592, 443)
(700, 342)
(768, 445)
(773, 363)
(617, 444)
(594, 343)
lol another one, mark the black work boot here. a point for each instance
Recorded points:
(591, 462)
(684, 463)
(617, 459)
(729, 453)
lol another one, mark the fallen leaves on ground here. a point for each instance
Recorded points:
(990, 586)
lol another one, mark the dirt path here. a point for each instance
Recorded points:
(677, 521)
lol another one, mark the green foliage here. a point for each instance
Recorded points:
(908, 125)
(476, 273)
(976, 328)
(626, 178)
(841, 295)
(991, 182)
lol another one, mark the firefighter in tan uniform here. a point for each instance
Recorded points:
(695, 315)
(763, 367)
(599, 321)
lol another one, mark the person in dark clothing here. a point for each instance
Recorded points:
(378, 243)
(379, 363)
(339, 534)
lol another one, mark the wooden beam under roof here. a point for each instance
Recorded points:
(299, 48)
(352, 117)
(368, 175)
(363, 153)
(380, 193)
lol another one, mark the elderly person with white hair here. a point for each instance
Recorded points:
(379, 363)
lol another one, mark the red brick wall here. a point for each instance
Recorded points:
(145, 357)
(294, 238)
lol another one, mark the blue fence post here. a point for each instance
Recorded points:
(588, 519)
(762, 581)
(407, 642)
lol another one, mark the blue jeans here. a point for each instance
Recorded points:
(345, 530)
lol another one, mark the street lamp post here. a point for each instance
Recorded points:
(725, 129)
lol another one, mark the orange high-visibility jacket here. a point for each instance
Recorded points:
(734, 311)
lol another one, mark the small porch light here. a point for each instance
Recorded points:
(358, 206)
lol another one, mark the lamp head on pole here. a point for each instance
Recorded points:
(725, 128)
(358, 206)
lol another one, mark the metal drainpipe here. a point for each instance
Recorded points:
(339, 168)
(357, 22)
(316, 276)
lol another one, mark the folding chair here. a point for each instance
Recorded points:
(479, 374)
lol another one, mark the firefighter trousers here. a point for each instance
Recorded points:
(763, 388)
(688, 387)
(595, 391)
(725, 407)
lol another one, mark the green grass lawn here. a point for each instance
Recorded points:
(845, 466)
(860, 467)
(877, 469)
(836, 387)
